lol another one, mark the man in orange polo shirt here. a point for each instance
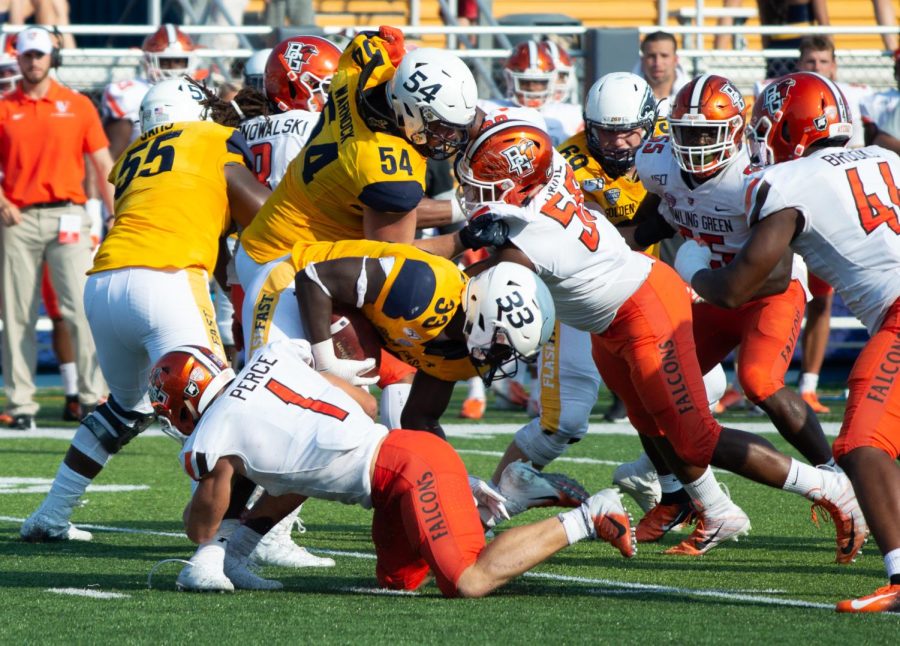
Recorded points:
(46, 130)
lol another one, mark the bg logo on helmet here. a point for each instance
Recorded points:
(297, 54)
(520, 158)
(772, 98)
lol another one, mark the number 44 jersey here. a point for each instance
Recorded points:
(584, 260)
(850, 203)
(171, 199)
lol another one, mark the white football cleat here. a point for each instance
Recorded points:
(525, 487)
(839, 500)
(202, 577)
(41, 527)
(719, 523)
(278, 549)
(639, 480)
(238, 570)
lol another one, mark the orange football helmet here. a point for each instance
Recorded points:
(168, 54)
(564, 83)
(707, 124)
(9, 63)
(184, 382)
(529, 74)
(792, 113)
(298, 73)
(508, 162)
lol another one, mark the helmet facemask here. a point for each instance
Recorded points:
(438, 139)
(614, 161)
(702, 147)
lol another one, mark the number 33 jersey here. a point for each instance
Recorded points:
(585, 262)
(171, 199)
(850, 203)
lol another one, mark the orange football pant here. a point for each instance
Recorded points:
(766, 329)
(648, 358)
(872, 417)
(424, 514)
(391, 369)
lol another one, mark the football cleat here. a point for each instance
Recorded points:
(203, 577)
(473, 408)
(730, 399)
(812, 399)
(277, 548)
(663, 519)
(639, 480)
(239, 570)
(611, 522)
(40, 528)
(839, 500)
(716, 525)
(525, 487)
(884, 599)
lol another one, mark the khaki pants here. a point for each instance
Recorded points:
(24, 248)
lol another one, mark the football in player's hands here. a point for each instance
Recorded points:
(355, 338)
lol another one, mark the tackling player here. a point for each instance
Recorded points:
(148, 290)
(322, 444)
(639, 314)
(839, 209)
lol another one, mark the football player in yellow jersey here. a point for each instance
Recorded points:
(430, 314)
(178, 187)
(362, 172)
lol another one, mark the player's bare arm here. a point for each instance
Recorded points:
(102, 162)
(245, 193)
(389, 227)
(427, 401)
(210, 501)
(366, 401)
(746, 276)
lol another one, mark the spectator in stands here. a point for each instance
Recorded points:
(228, 12)
(296, 12)
(881, 114)
(42, 12)
(45, 131)
(659, 66)
(788, 12)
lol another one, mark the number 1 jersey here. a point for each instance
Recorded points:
(171, 199)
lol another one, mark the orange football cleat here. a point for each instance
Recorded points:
(661, 519)
(727, 522)
(473, 408)
(730, 399)
(611, 522)
(812, 399)
(884, 599)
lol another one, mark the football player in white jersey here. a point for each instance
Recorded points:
(297, 75)
(254, 71)
(322, 443)
(881, 113)
(694, 180)
(639, 314)
(839, 209)
(532, 81)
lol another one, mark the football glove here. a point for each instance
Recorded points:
(488, 230)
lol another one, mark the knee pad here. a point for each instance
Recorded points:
(715, 383)
(542, 446)
(114, 427)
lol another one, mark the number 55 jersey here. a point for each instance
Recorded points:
(171, 198)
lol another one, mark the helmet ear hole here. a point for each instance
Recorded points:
(786, 131)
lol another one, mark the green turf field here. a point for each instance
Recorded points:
(776, 585)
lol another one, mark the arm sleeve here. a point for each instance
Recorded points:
(392, 197)
(238, 150)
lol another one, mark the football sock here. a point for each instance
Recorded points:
(476, 389)
(69, 374)
(672, 491)
(705, 491)
(809, 382)
(803, 479)
(244, 540)
(393, 399)
(577, 523)
(68, 486)
(88, 444)
(892, 565)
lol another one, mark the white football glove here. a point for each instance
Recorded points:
(491, 503)
(349, 370)
(692, 256)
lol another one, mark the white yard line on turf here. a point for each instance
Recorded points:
(452, 430)
(611, 586)
(87, 592)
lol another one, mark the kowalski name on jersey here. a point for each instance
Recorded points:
(345, 119)
(847, 156)
(269, 127)
(252, 377)
(708, 223)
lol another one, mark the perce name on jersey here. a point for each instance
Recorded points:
(253, 377)
(269, 127)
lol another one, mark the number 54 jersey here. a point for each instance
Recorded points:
(171, 198)
(850, 202)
